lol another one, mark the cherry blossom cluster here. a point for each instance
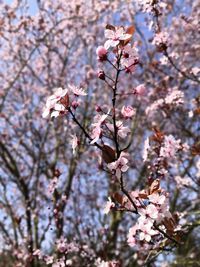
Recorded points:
(174, 99)
(119, 43)
(166, 147)
(154, 212)
(42, 52)
(122, 56)
(152, 5)
(59, 103)
(120, 165)
(155, 222)
(64, 249)
(161, 40)
(170, 147)
(183, 181)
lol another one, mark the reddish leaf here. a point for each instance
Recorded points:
(169, 224)
(154, 187)
(195, 149)
(158, 135)
(130, 30)
(65, 101)
(197, 111)
(118, 198)
(108, 154)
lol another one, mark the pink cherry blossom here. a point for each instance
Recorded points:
(98, 121)
(170, 147)
(108, 206)
(55, 46)
(161, 38)
(78, 91)
(58, 94)
(175, 97)
(128, 111)
(183, 181)
(101, 75)
(119, 165)
(52, 104)
(195, 70)
(146, 232)
(58, 110)
(129, 58)
(59, 263)
(115, 36)
(96, 133)
(156, 105)
(131, 240)
(149, 211)
(163, 212)
(103, 264)
(140, 90)
(149, 5)
(157, 199)
(75, 104)
(122, 131)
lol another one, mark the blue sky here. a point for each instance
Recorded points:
(32, 5)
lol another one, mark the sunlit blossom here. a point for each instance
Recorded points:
(78, 91)
(128, 111)
(108, 206)
(115, 36)
(119, 166)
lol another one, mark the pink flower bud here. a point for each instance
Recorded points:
(57, 173)
(101, 75)
(75, 104)
(98, 109)
(101, 53)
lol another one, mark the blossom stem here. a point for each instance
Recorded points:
(82, 128)
(109, 78)
(114, 103)
(179, 70)
(127, 194)
(112, 64)
(165, 234)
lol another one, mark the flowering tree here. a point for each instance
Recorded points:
(100, 100)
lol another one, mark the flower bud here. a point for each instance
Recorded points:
(101, 53)
(98, 109)
(101, 75)
(57, 173)
(75, 104)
